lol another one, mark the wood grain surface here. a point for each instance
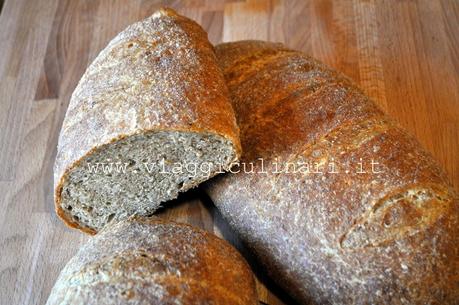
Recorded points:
(404, 54)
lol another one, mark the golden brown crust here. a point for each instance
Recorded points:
(158, 74)
(151, 261)
(387, 236)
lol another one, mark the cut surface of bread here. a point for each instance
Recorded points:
(145, 260)
(134, 175)
(154, 94)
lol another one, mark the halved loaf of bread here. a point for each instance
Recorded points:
(341, 204)
(149, 118)
(144, 260)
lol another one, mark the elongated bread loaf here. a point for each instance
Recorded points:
(150, 261)
(149, 118)
(345, 207)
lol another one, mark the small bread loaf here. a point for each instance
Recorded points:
(345, 207)
(144, 260)
(149, 118)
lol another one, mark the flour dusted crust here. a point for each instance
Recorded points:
(383, 237)
(159, 74)
(150, 261)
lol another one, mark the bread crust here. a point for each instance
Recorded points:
(382, 237)
(151, 261)
(158, 74)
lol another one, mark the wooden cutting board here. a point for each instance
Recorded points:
(404, 54)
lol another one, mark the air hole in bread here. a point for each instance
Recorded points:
(110, 217)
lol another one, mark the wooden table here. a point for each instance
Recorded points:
(405, 55)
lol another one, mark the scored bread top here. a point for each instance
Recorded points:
(157, 74)
(144, 260)
(334, 237)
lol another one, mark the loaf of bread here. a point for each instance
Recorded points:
(149, 118)
(339, 203)
(144, 260)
